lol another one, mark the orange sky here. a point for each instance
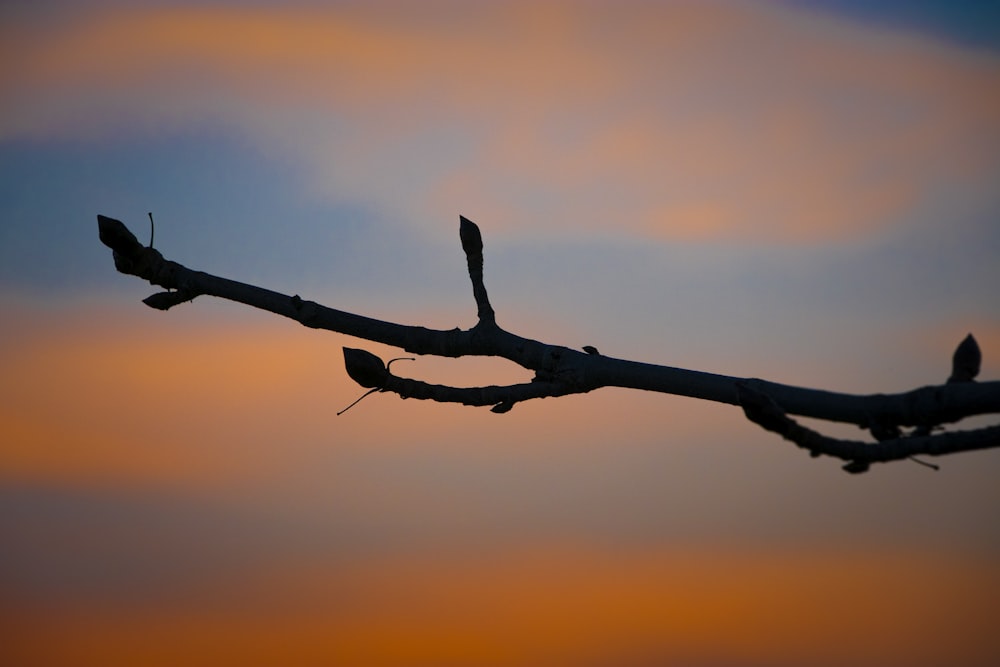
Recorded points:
(744, 188)
(561, 605)
(406, 533)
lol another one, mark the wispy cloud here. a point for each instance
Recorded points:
(704, 121)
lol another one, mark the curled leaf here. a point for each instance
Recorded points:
(365, 368)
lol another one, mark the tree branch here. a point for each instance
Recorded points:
(560, 370)
(765, 412)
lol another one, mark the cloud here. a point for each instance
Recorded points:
(683, 121)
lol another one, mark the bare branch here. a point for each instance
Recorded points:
(560, 370)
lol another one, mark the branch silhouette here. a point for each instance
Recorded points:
(560, 370)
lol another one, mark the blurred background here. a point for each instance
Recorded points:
(800, 191)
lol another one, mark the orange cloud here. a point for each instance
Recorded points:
(680, 121)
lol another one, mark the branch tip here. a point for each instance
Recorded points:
(932, 466)
(115, 235)
(472, 244)
(471, 237)
(388, 364)
(966, 360)
(358, 400)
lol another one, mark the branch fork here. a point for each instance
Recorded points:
(560, 370)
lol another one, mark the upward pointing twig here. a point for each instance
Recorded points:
(472, 244)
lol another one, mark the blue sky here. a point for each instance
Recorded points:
(974, 23)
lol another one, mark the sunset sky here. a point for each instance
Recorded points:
(805, 192)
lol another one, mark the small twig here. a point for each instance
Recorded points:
(370, 391)
(152, 229)
(388, 364)
(472, 245)
(932, 466)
